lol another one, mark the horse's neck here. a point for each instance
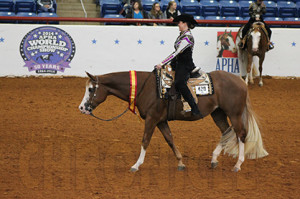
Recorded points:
(118, 84)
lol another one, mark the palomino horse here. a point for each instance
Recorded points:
(225, 41)
(256, 45)
(230, 99)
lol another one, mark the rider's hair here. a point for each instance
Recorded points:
(190, 25)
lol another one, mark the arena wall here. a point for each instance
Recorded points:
(71, 50)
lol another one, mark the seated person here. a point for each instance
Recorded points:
(137, 12)
(156, 13)
(45, 6)
(171, 12)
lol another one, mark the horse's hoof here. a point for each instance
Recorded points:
(181, 168)
(214, 165)
(133, 170)
(260, 84)
(235, 169)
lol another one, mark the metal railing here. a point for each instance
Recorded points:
(129, 21)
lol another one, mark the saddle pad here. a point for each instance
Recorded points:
(201, 85)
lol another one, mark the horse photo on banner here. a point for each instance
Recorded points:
(227, 59)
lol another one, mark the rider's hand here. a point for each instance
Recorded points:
(158, 66)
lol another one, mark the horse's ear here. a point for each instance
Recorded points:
(225, 30)
(92, 77)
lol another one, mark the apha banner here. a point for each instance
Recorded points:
(227, 59)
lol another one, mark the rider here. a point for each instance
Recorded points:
(256, 10)
(182, 61)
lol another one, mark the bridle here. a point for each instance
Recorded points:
(88, 105)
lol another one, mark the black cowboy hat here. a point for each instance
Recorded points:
(185, 18)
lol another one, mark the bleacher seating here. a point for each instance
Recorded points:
(25, 6)
(7, 5)
(298, 6)
(114, 16)
(147, 4)
(231, 18)
(244, 7)
(199, 18)
(47, 14)
(292, 19)
(273, 19)
(110, 7)
(287, 9)
(209, 8)
(191, 7)
(7, 14)
(215, 18)
(26, 14)
(272, 10)
(229, 8)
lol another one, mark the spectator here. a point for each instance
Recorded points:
(127, 5)
(156, 13)
(45, 5)
(171, 12)
(137, 12)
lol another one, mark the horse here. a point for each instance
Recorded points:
(225, 41)
(256, 45)
(230, 100)
(45, 57)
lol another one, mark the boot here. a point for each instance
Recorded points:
(195, 111)
(270, 46)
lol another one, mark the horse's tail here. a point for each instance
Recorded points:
(253, 144)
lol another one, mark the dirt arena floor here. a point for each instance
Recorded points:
(48, 149)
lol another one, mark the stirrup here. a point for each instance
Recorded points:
(270, 46)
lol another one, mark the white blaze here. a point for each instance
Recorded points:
(255, 40)
(85, 99)
(232, 46)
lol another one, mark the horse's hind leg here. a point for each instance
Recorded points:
(220, 118)
(150, 124)
(241, 135)
(165, 130)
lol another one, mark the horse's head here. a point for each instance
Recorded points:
(95, 93)
(256, 35)
(226, 41)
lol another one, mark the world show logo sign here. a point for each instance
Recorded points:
(227, 59)
(47, 50)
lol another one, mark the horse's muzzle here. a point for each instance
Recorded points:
(84, 110)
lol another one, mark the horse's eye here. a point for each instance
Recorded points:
(90, 89)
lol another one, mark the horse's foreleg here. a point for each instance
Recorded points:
(165, 130)
(249, 65)
(148, 132)
(261, 60)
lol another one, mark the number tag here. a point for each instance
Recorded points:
(202, 90)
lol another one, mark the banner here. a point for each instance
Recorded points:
(70, 50)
